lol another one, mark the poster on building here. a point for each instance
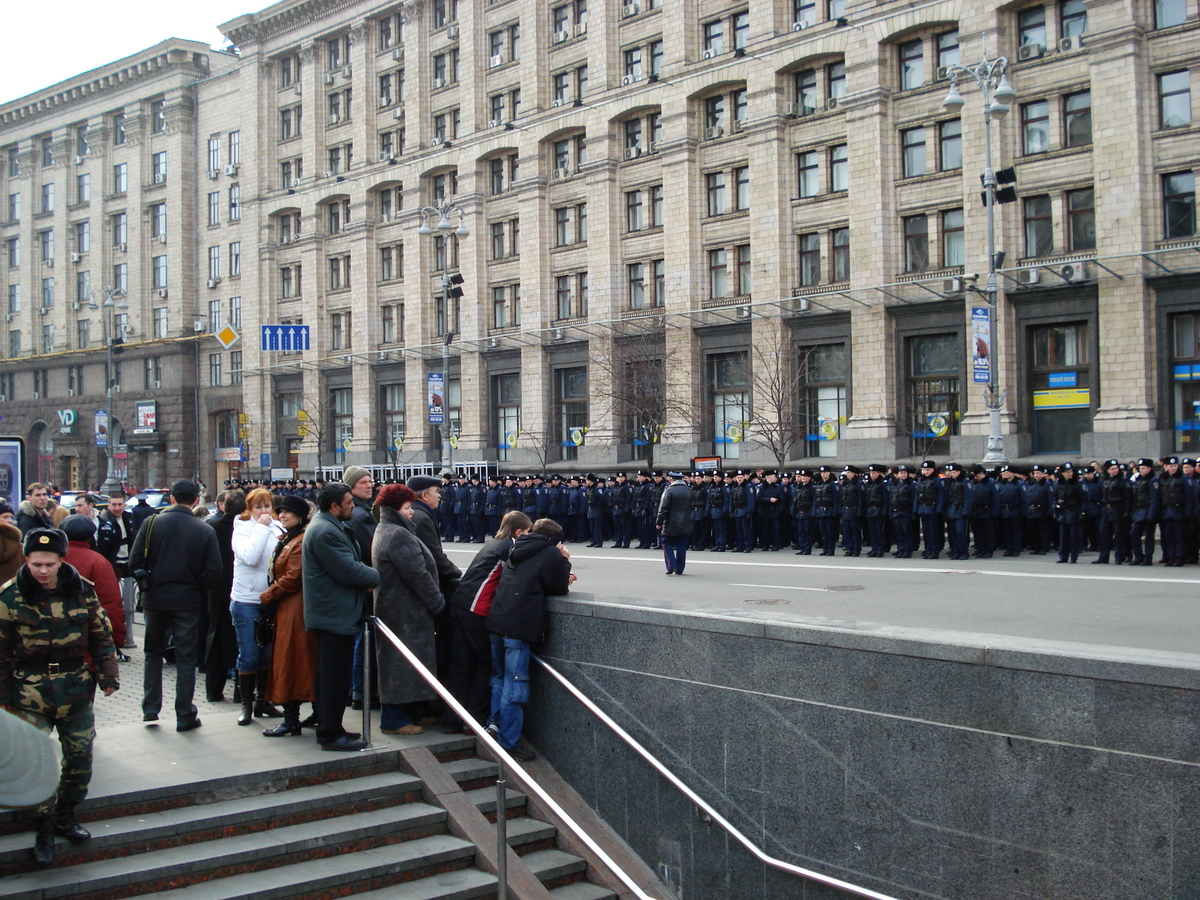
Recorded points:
(437, 396)
(12, 469)
(981, 345)
(101, 427)
(146, 414)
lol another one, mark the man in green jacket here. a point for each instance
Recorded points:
(335, 584)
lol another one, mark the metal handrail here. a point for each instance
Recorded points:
(504, 758)
(709, 810)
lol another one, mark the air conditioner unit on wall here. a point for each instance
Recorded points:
(710, 54)
(630, 9)
(715, 132)
(1029, 276)
(162, 293)
(1070, 44)
(800, 26)
(452, 32)
(954, 285)
(560, 36)
(231, 170)
(633, 152)
(1074, 272)
(398, 54)
(1030, 51)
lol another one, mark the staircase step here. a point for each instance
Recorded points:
(379, 871)
(172, 827)
(471, 772)
(460, 884)
(325, 840)
(526, 833)
(554, 868)
(485, 799)
(582, 890)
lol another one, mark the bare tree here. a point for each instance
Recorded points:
(632, 385)
(316, 421)
(776, 377)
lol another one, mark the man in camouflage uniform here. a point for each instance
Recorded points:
(50, 620)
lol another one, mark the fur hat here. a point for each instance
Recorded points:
(48, 539)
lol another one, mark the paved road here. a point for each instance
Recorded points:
(1143, 611)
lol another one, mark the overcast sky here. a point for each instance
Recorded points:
(51, 43)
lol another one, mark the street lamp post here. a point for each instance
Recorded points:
(445, 227)
(998, 95)
(114, 299)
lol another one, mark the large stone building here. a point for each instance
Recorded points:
(742, 230)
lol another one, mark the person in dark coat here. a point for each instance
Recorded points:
(470, 643)
(11, 556)
(115, 532)
(674, 522)
(80, 531)
(37, 509)
(1068, 507)
(181, 555)
(362, 524)
(220, 643)
(406, 601)
(538, 566)
(425, 526)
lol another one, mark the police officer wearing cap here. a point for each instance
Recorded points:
(958, 512)
(1143, 514)
(1175, 507)
(1068, 510)
(852, 507)
(931, 504)
(902, 504)
(50, 620)
(827, 510)
(718, 511)
(802, 513)
(1009, 500)
(741, 510)
(985, 507)
(1112, 528)
(875, 501)
(770, 502)
(1039, 498)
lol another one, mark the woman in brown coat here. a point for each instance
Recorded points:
(293, 661)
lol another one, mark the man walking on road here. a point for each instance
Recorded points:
(181, 557)
(336, 581)
(675, 523)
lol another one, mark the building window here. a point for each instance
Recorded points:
(570, 224)
(215, 316)
(339, 331)
(235, 367)
(1057, 350)
(83, 188)
(912, 65)
(14, 207)
(337, 215)
(14, 298)
(1175, 99)
(506, 306)
(715, 187)
(728, 381)
(947, 49)
(1081, 219)
(391, 263)
(392, 419)
(339, 273)
(235, 312)
(840, 238)
(83, 236)
(48, 338)
(340, 159)
(1035, 127)
(235, 259)
(808, 165)
(1169, 12)
(81, 140)
(839, 169)
(718, 273)
(1072, 17)
(934, 364)
(83, 287)
(120, 178)
(950, 141)
(806, 92)
(506, 238)
(338, 106)
(571, 403)
(289, 282)
(46, 240)
(916, 243)
(506, 389)
(47, 198)
(158, 166)
(444, 12)
(214, 263)
(214, 209)
(341, 404)
(1179, 204)
(912, 142)
(214, 370)
(391, 318)
(646, 284)
(158, 116)
(13, 252)
(504, 171)
(120, 277)
(235, 202)
(1077, 115)
(235, 148)
(118, 128)
(823, 374)
(47, 151)
(214, 154)
(1031, 27)
(1039, 226)
(160, 322)
(954, 250)
(158, 221)
(445, 68)
(810, 259)
(158, 269)
(289, 123)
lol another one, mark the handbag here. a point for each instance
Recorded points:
(264, 627)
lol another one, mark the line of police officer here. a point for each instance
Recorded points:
(1113, 508)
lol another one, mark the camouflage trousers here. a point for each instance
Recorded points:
(62, 703)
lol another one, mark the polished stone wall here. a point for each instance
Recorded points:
(914, 767)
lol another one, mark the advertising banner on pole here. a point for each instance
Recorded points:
(437, 397)
(981, 345)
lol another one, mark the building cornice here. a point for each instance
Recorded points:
(188, 57)
(281, 18)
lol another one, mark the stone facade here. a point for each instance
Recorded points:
(789, 212)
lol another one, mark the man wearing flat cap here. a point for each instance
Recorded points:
(50, 621)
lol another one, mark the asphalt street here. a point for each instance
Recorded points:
(1146, 613)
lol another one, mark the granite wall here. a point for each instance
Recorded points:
(916, 768)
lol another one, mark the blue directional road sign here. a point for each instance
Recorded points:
(285, 338)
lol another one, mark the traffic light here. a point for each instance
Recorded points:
(117, 345)
(454, 291)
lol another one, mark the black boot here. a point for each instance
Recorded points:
(264, 709)
(246, 682)
(312, 721)
(291, 721)
(43, 849)
(65, 825)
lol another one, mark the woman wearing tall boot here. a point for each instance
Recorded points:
(255, 533)
(294, 655)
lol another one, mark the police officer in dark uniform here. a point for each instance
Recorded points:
(1143, 514)
(621, 501)
(958, 512)
(770, 503)
(1068, 508)
(802, 513)
(491, 505)
(931, 505)
(741, 510)
(1009, 497)
(852, 506)
(827, 509)
(576, 510)
(902, 505)
(698, 510)
(1116, 495)
(985, 506)
(718, 511)
(50, 619)
(1174, 509)
(597, 503)
(876, 509)
(1039, 498)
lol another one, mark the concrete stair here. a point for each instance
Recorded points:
(359, 826)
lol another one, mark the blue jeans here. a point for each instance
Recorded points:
(397, 715)
(510, 688)
(250, 656)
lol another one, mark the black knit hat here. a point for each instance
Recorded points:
(295, 505)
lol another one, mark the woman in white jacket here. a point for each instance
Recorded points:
(255, 534)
